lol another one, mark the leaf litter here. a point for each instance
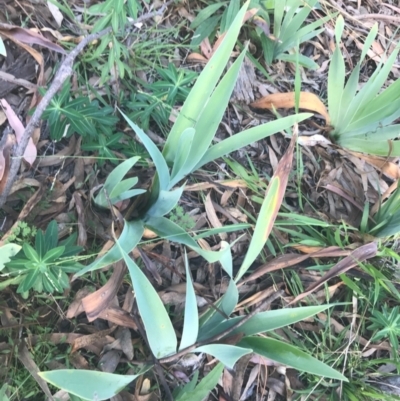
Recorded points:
(337, 182)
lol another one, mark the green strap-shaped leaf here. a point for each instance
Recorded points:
(171, 231)
(88, 384)
(227, 354)
(244, 138)
(265, 321)
(130, 236)
(204, 388)
(204, 86)
(289, 355)
(269, 209)
(211, 116)
(157, 157)
(159, 329)
(191, 319)
(165, 202)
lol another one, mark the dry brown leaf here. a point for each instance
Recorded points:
(308, 101)
(98, 301)
(16, 124)
(59, 158)
(389, 168)
(212, 216)
(119, 317)
(357, 256)
(96, 339)
(6, 144)
(28, 36)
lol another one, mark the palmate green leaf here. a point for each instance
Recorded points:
(289, 355)
(28, 281)
(53, 254)
(227, 354)
(265, 321)
(206, 385)
(269, 209)
(89, 384)
(159, 329)
(51, 236)
(165, 228)
(191, 319)
(204, 86)
(40, 244)
(244, 138)
(129, 238)
(157, 157)
(30, 252)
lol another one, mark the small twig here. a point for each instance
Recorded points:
(64, 72)
(223, 334)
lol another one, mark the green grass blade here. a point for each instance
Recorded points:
(249, 136)
(227, 354)
(129, 238)
(204, 86)
(159, 329)
(289, 355)
(191, 319)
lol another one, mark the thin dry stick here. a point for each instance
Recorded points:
(64, 72)
(226, 332)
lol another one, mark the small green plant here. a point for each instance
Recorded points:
(156, 102)
(45, 266)
(23, 232)
(362, 118)
(387, 324)
(289, 31)
(181, 218)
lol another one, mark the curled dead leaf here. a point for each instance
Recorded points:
(307, 101)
